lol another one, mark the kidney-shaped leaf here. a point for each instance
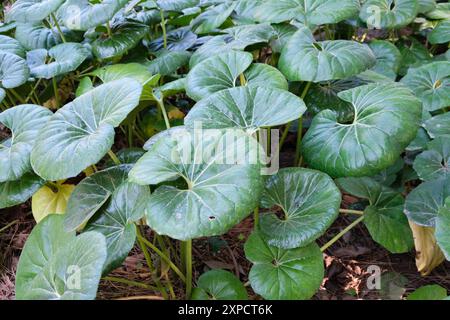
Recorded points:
(222, 72)
(388, 58)
(80, 133)
(116, 221)
(309, 201)
(39, 36)
(83, 15)
(304, 59)
(219, 285)
(431, 83)
(64, 58)
(212, 18)
(386, 120)
(56, 265)
(18, 191)
(248, 107)
(223, 185)
(312, 12)
(434, 163)
(32, 10)
(13, 70)
(424, 202)
(388, 14)
(24, 121)
(177, 40)
(280, 274)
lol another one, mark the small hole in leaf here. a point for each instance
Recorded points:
(212, 218)
(392, 6)
(317, 46)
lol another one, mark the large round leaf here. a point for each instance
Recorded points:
(219, 285)
(222, 71)
(212, 18)
(47, 201)
(64, 58)
(223, 185)
(434, 163)
(18, 191)
(13, 70)
(83, 15)
(388, 58)
(55, 265)
(424, 202)
(309, 201)
(279, 274)
(32, 10)
(388, 14)
(441, 33)
(24, 121)
(11, 45)
(438, 125)
(383, 217)
(125, 36)
(304, 59)
(39, 36)
(80, 133)
(313, 12)
(92, 193)
(431, 83)
(167, 62)
(386, 120)
(248, 107)
(116, 222)
(177, 40)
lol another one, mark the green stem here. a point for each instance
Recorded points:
(300, 128)
(164, 112)
(52, 186)
(285, 133)
(358, 212)
(108, 30)
(114, 158)
(188, 256)
(8, 225)
(242, 79)
(163, 256)
(163, 26)
(340, 234)
(17, 96)
(55, 89)
(58, 27)
(130, 283)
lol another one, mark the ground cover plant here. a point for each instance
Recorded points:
(157, 126)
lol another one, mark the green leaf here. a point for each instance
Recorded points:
(65, 57)
(39, 36)
(18, 191)
(434, 163)
(414, 54)
(388, 58)
(83, 15)
(212, 18)
(442, 232)
(13, 70)
(426, 5)
(304, 59)
(383, 217)
(441, 33)
(283, 32)
(11, 45)
(219, 285)
(167, 62)
(222, 186)
(47, 201)
(222, 72)
(438, 125)
(81, 133)
(386, 120)
(32, 10)
(177, 40)
(428, 292)
(309, 201)
(279, 274)
(314, 12)
(176, 5)
(116, 222)
(84, 86)
(424, 202)
(248, 108)
(55, 265)
(24, 121)
(92, 193)
(388, 14)
(441, 11)
(125, 36)
(126, 156)
(431, 83)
